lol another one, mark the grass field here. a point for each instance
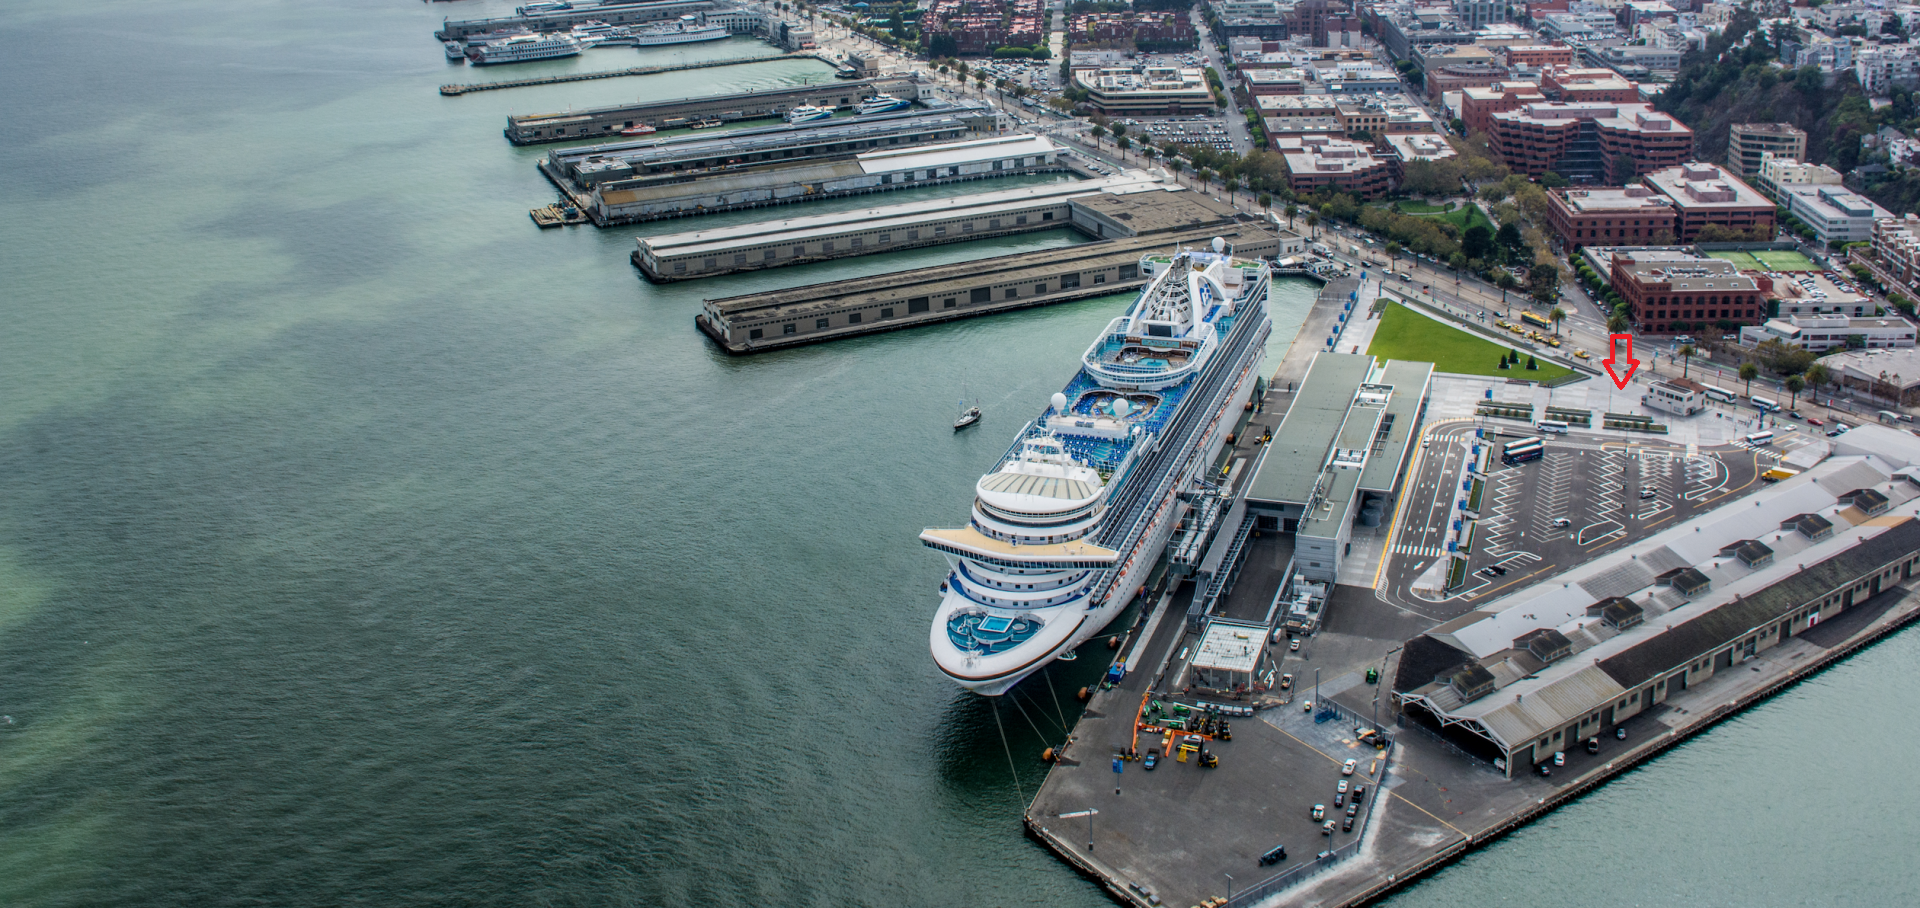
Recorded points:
(1405, 334)
(1767, 261)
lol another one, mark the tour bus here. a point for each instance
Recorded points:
(1721, 394)
(1552, 426)
(1763, 405)
(1523, 451)
(1758, 438)
(1535, 320)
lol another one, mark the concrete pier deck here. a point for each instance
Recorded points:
(456, 89)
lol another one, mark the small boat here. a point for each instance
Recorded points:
(879, 104)
(968, 417)
(456, 51)
(807, 113)
(640, 130)
(706, 124)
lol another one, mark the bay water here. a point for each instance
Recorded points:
(362, 544)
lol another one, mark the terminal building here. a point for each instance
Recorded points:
(1570, 657)
(753, 185)
(1336, 458)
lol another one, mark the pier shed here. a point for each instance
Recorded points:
(929, 222)
(774, 183)
(607, 121)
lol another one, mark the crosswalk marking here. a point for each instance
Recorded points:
(1420, 551)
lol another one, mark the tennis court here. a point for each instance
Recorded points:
(1767, 260)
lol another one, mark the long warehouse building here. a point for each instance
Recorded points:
(580, 13)
(1143, 224)
(591, 122)
(930, 222)
(735, 187)
(584, 166)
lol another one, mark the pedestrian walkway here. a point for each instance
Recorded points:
(1422, 551)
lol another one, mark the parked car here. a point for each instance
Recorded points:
(1278, 854)
(1346, 825)
(1346, 769)
(1293, 644)
(1562, 522)
(1359, 791)
(1326, 829)
(1646, 494)
(1151, 761)
(1559, 758)
(1340, 800)
(1815, 421)
(1286, 682)
(1582, 354)
(1593, 745)
(1793, 414)
(1353, 809)
(1342, 787)
(1319, 811)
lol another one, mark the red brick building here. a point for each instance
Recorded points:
(1478, 105)
(1582, 141)
(1575, 86)
(1670, 296)
(1705, 194)
(1534, 56)
(1350, 167)
(1633, 216)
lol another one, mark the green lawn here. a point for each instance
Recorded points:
(1466, 216)
(1408, 335)
(1421, 208)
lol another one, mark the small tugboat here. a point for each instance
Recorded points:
(968, 416)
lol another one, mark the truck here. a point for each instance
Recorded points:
(1778, 473)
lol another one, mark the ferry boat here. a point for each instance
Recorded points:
(685, 30)
(456, 50)
(879, 104)
(638, 129)
(807, 113)
(542, 7)
(1066, 527)
(522, 48)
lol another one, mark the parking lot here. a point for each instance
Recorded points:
(1587, 494)
(1205, 131)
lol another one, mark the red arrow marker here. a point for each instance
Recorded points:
(1618, 346)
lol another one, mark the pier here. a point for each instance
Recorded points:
(932, 222)
(815, 313)
(591, 122)
(626, 14)
(471, 87)
(1446, 723)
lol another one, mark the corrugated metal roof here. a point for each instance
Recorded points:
(1858, 475)
(1553, 706)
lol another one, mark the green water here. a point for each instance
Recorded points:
(360, 543)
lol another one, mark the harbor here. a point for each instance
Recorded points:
(1335, 745)
(1157, 221)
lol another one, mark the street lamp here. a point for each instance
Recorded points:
(1229, 877)
(1089, 815)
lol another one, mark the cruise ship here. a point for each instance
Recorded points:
(522, 48)
(684, 30)
(807, 113)
(879, 104)
(1066, 527)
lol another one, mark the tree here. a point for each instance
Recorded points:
(1557, 316)
(1456, 261)
(1510, 239)
(1505, 280)
(1544, 282)
(1617, 322)
(1795, 385)
(1553, 180)
(1292, 212)
(1532, 363)
(1098, 132)
(1819, 376)
(1313, 225)
(1477, 242)
(1749, 372)
(1266, 201)
(1686, 358)
(1124, 143)
(1623, 169)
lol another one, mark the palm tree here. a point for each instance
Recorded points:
(1686, 358)
(1505, 281)
(1292, 212)
(1749, 372)
(1557, 316)
(1617, 322)
(1266, 202)
(1819, 376)
(1393, 255)
(1099, 134)
(1795, 384)
(1313, 225)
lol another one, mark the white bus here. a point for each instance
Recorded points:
(1763, 405)
(1721, 394)
(1758, 438)
(1552, 426)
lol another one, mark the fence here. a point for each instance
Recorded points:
(1299, 872)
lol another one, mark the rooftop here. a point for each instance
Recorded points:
(1290, 465)
(1700, 273)
(1420, 147)
(1699, 186)
(1630, 198)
